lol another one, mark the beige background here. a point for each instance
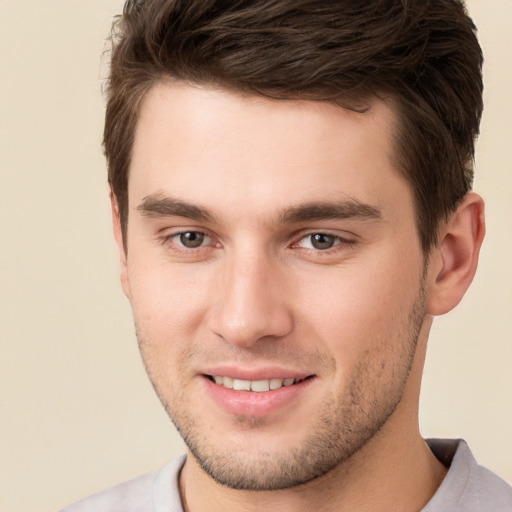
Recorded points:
(77, 413)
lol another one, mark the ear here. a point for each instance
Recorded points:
(120, 242)
(453, 262)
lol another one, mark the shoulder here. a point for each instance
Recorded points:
(467, 487)
(489, 491)
(147, 493)
(134, 495)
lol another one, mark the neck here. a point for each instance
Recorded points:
(383, 476)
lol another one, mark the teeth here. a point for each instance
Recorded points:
(276, 383)
(259, 386)
(227, 382)
(242, 385)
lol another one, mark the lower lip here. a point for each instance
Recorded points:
(253, 404)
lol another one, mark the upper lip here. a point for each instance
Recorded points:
(254, 374)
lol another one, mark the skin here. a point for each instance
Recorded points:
(251, 180)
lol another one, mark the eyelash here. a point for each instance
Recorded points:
(340, 243)
(181, 248)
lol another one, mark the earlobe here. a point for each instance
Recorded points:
(120, 242)
(454, 261)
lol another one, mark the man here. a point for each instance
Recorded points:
(291, 198)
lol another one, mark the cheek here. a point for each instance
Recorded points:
(167, 303)
(360, 307)
(167, 308)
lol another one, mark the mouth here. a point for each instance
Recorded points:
(257, 386)
(256, 396)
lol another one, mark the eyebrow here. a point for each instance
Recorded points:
(158, 206)
(346, 209)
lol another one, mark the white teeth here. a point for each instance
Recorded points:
(276, 383)
(227, 382)
(259, 386)
(242, 385)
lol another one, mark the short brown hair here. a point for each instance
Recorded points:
(422, 54)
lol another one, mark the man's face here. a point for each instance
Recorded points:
(276, 279)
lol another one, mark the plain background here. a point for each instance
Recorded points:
(77, 412)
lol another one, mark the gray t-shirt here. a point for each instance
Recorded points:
(467, 487)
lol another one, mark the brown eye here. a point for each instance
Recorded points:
(191, 239)
(322, 241)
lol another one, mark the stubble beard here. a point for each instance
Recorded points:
(344, 426)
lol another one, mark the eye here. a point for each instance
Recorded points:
(191, 239)
(319, 241)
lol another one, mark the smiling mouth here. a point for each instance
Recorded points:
(258, 386)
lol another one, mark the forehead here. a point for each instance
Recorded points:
(203, 145)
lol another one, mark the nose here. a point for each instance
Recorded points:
(251, 301)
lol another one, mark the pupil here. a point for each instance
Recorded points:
(321, 241)
(192, 239)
